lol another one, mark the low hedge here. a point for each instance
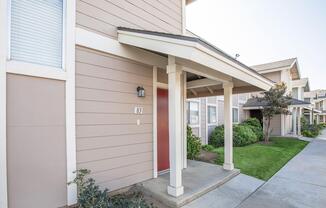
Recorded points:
(242, 135)
(256, 127)
(193, 145)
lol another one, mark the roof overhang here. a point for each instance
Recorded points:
(292, 67)
(198, 57)
(304, 82)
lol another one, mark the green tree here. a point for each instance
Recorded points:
(274, 102)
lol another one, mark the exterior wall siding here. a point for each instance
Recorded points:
(274, 76)
(109, 142)
(104, 16)
(36, 147)
(276, 125)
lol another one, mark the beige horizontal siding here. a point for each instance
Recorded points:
(132, 178)
(105, 119)
(113, 141)
(112, 163)
(104, 16)
(109, 141)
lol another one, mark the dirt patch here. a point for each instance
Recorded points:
(206, 156)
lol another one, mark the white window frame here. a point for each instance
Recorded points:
(207, 123)
(196, 100)
(66, 73)
(39, 70)
(237, 107)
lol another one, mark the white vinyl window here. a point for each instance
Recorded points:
(36, 31)
(193, 113)
(235, 115)
(211, 112)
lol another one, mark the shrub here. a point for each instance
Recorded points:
(193, 145)
(208, 147)
(216, 139)
(130, 200)
(89, 194)
(256, 127)
(311, 130)
(242, 135)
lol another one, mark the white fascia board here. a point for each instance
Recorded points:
(299, 83)
(252, 108)
(108, 45)
(265, 71)
(202, 83)
(194, 52)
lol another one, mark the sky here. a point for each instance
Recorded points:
(263, 31)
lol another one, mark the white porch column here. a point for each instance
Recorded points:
(294, 121)
(311, 119)
(228, 127)
(299, 121)
(175, 128)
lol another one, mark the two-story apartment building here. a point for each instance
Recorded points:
(246, 106)
(286, 71)
(204, 114)
(102, 85)
(318, 100)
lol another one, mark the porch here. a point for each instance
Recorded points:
(193, 68)
(198, 179)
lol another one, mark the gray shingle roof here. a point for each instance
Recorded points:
(274, 65)
(254, 102)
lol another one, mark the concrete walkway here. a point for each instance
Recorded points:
(229, 195)
(300, 183)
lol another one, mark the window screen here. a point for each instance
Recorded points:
(36, 34)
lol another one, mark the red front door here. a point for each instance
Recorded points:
(162, 130)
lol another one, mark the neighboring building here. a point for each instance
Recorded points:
(204, 110)
(204, 114)
(318, 100)
(286, 71)
(84, 85)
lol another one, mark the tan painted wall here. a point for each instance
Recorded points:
(274, 76)
(36, 142)
(104, 16)
(276, 125)
(109, 142)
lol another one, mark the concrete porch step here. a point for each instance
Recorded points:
(198, 179)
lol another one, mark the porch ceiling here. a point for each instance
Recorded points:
(201, 60)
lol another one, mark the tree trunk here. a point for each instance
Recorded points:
(266, 139)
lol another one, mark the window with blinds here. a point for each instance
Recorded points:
(36, 33)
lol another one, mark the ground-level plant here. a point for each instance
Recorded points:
(311, 130)
(248, 132)
(262, 160)
(193, 144)
(91, 196)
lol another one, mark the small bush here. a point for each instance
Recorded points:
(216, 139)
(242, 135)
(129, 200)
(89, 194)
(208, 147)
(256, 127)
(311, 130)
(193, 145)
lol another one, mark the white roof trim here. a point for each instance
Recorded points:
(195, 52)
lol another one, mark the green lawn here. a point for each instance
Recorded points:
(264, 160)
